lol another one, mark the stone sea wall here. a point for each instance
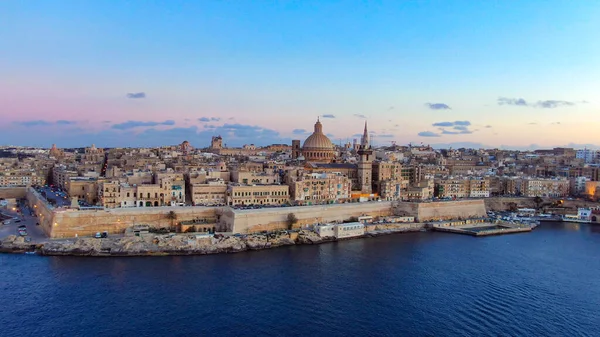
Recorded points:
(443, 210)
(269, 219)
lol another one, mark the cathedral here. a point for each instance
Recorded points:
(320, 155)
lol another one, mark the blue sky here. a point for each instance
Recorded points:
(519, 72)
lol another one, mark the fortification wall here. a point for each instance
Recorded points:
(66, 223)
(69, 222)
(43, 210)
(443, 210)
(13, 192)
(256, 220)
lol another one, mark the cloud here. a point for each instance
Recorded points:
(136, 95)
(449, 124)
(299, 131)
(34, 123)
(65, 122)
(555, 123)
(391, 108)
(233, 135)
(438, 106)
(511, 101)
(360, 116)
(135, 124)
(546, 104)
(209, 119)
(386, 135)
(488, 126)
(428, 134)
(40, 122)
(328, 116)
(532, 123)
(551, 104)
(456, 127)
(459, 132)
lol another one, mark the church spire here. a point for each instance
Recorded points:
(365, 138)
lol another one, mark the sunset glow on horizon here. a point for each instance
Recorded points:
(452, 73)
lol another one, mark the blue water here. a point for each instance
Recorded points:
(543, 283)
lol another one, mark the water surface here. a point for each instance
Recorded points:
(543, 283)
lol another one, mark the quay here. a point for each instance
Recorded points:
(481, 227)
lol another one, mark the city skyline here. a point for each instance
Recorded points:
(508, 75)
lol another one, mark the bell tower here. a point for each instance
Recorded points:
(365, 163)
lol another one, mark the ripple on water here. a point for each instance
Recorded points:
(420, 284)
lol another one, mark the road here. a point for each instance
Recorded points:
(26, 218)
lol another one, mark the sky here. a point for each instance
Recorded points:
(508, 74)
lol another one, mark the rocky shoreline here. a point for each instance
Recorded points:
(165, 245)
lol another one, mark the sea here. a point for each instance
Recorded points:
(543, 283)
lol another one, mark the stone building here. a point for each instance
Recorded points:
(210, 192)
(472, 187)
(21, 177)
(60, 176)
(83, 188)
(320, 188)
(545, 188)
(245, 177)
(257, 194)
(115, 194)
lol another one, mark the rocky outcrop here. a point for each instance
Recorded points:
(182, 244)
(16, 244)
(164, 245)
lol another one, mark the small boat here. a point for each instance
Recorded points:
(30, 253)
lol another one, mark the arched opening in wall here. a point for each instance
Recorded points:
(156, 204)
(148, 204)
(594, 219)
(141, 204)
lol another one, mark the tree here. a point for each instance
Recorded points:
(291, 220)
(538, 201)
(172, 216)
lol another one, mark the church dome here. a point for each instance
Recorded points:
(318, 140)
(317, 147)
